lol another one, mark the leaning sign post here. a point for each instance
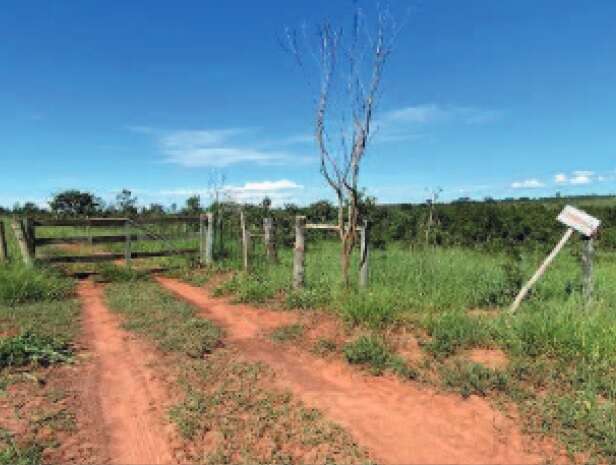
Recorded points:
(575, 220)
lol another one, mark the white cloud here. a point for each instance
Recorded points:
(279, 191)
(435, 113)
(560, 178)
(527, 184)
(576, 178)
(580, 179)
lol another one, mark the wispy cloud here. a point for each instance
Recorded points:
(433, 113)
(532, 183)
(220, 147)
(415, 122)
(577, 178)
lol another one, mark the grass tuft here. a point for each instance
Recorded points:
(19, 284)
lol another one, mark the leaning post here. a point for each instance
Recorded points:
(18, 229)
(4, 253)
(364, 253)
(268, 238)
(299, 253)
(588, 253)
(209, 239)
(202, 238)
(127, 243)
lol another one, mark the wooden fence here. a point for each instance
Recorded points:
(25, 233)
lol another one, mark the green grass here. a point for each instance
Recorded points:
(19, 284)
(372, 352)
(227, 401)
(173, 324)
(556, 346)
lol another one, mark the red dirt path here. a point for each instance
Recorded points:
(129, 395)
(399, 422)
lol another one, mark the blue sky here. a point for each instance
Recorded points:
(482, 98)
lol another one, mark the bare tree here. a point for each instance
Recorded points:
(432, 219)
(349, 70)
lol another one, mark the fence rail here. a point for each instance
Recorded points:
(26, 229)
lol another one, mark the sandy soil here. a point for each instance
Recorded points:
(124, 389)
(399, 422)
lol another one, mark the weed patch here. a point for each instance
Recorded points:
(372, 352)
(30, 348)
(19, 284)
(287, 333)
(471, 378)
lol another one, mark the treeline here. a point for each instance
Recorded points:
(505, 224)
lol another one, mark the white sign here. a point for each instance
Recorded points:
(580, 221)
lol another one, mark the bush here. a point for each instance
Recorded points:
(471, 378)
(29, 348)
(19, 284)
(372, 351)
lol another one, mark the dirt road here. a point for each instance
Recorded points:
(132, 401)
(399, 422)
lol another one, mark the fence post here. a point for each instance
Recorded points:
(299, 253)
(268, 238)
(202, 238)
(4, 253)
(127, 244)
(20, 235)
(245, 240)
(30, 235)
(364, 253)
(588, 252)
(209, 239)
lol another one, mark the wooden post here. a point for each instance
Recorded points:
(18, 229)
(299, 253)
(30, 236)
(544, 266)
(202, 238)
(4, 253)
(364, 253)
(209, 239)
(245, 241)
(268, 239)
(127, 244)
(588, 252)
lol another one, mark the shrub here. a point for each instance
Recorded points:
(19, 284)
(372, 351)
(29, 348)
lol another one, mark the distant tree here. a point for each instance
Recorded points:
(126, 202)
(155, 209)
(75, 203)
(350, 70)
(173, 208)
(321, 211)
(193, 204)
(266, 204)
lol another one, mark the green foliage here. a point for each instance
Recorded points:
(112, 273)
(13, 454)
(324, 347)
(287, 333)
(372, 352)
(173, 324)
(19, 284)
(471, 378)
(16, 351)
(453, 330)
